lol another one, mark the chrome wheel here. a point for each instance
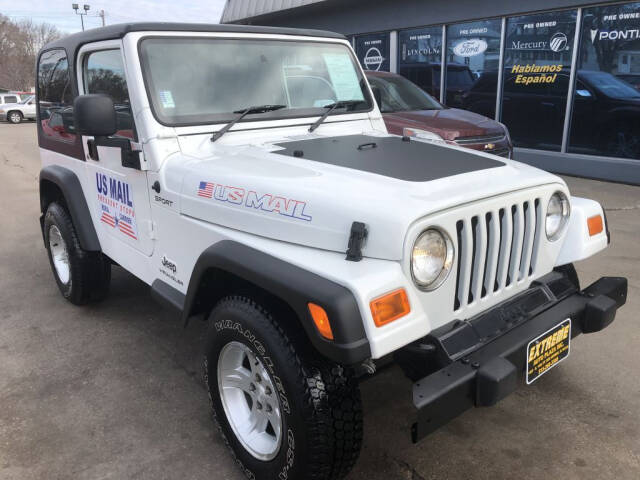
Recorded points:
(250, 401)
(15, 117)
(59, 255)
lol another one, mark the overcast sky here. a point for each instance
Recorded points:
(60, 13)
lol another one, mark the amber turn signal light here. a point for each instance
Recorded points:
(595, 224)
(321, 320)
(390, 307)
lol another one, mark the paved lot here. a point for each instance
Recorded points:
(114, 390)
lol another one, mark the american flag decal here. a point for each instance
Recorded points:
(126, 229)
(205, 189)
(108, 219)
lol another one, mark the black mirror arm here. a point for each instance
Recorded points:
(130, 157)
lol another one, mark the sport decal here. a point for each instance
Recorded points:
(116, 205)
(250, 199)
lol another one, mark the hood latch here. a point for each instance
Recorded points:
(357, 238)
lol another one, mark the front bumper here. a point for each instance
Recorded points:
(483, 359)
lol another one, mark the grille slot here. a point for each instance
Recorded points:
(496, 249)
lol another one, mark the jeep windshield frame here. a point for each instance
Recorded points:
(339, 73)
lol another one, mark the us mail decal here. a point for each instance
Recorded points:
(116, 205)
(265, 202)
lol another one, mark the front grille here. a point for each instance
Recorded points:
(480, 139)
(497, 249)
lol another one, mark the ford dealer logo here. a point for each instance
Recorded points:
(373, 59)
(470, 48)
(558, 42)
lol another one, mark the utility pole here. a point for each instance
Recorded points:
(101, 15)
(86, 9)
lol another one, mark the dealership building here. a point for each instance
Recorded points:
(562, 75)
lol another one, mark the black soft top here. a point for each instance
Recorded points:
(71, 43)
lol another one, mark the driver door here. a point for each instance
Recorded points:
(119, 193)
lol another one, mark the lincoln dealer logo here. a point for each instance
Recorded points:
(470, 48)
(558, 42)
(373, 59)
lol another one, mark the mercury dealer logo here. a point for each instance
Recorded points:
(373, 59)
(558, 42)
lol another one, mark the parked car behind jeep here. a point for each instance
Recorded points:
(409, 110)
(16, 112)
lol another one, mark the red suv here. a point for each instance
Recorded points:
(409, 110)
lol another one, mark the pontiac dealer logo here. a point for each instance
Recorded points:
(373, 59)
(630, 34)
(470, 48)
(558, 42)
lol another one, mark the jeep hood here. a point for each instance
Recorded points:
(310, 190)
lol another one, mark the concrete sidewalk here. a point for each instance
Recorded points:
(114, 390)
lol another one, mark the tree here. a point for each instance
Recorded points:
(19, 45)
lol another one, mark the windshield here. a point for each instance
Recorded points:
(400, 95)
(611, 86)
(204, 80)
(23, 102)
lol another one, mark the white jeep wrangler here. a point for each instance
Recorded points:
(246, 175)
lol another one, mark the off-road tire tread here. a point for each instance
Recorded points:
(331, 400)
(90, 271)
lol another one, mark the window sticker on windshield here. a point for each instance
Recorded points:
(343, 76)
(166, 98)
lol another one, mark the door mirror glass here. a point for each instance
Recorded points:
(95, 115)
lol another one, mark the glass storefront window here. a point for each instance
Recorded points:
(420, 56)
(373, 51)
(473, 57)
(606, 105)
(537, 65)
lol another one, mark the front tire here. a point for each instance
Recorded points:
(14, 117)
(283, 413)
(81, 276)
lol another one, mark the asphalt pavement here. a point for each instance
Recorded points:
(114, 390)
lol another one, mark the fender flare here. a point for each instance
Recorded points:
(68, 183)
(296, 287)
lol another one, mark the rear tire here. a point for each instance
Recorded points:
(81, 276)
(316, 406)
(14, 117)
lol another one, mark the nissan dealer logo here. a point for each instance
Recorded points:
(470, 48)
(558, 42)
(373, 59)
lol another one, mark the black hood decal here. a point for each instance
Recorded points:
(394, 157)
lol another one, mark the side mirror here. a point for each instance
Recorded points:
(95, 115)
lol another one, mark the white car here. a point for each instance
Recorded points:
(245, 174)
(17, 112)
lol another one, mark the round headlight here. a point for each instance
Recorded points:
(431, 259)
(558, 212)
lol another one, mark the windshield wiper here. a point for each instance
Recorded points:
(243, 113)
(330, 108)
